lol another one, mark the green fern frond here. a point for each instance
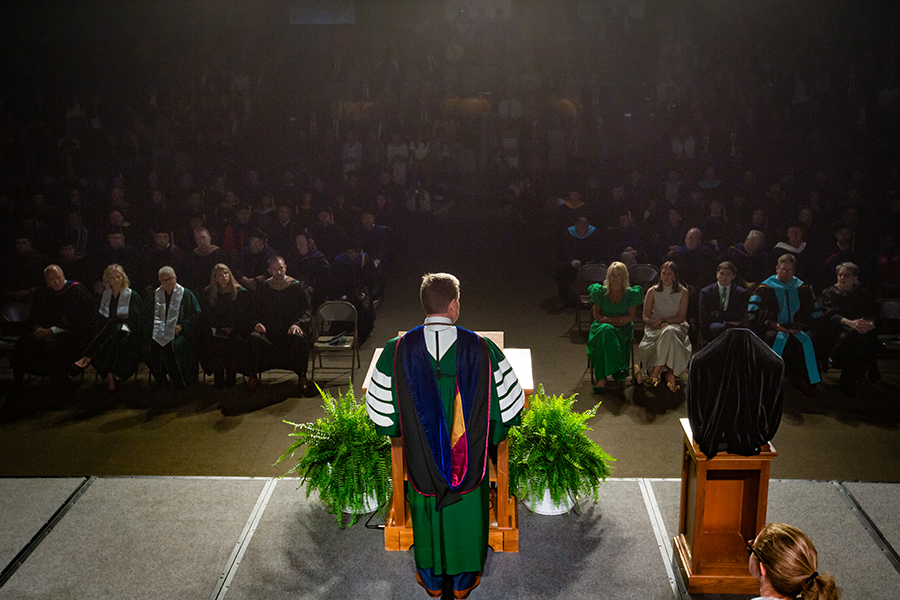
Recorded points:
(550, 451)
(341, 456)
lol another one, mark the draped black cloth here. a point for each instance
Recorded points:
(734, 394)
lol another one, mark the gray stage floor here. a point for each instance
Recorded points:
(243, 538)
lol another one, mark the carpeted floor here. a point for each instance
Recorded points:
(250, 538)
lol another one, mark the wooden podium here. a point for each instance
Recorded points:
(503, 534)
(723, 504)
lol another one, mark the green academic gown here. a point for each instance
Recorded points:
(455, 539)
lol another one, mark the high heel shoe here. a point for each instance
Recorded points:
(75, 369)
(652, 381)
(673, 386)
(637, 375)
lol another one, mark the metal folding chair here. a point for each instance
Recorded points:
(338, 344)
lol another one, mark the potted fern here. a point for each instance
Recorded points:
(551, 459)
(342, 458)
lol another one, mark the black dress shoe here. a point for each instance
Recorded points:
(304, 386)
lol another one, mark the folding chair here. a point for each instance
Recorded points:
(339, 344)
(645, 276)
(587, 275)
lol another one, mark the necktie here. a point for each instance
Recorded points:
(723, 298)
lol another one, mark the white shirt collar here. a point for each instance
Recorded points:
(445, 338)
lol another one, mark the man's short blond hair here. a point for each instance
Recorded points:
(437, 291)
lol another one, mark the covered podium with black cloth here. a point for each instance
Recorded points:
(734, 394)
(735, 399)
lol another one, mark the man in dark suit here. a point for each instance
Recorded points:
(722, 304)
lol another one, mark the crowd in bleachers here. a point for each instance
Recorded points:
(190, 137)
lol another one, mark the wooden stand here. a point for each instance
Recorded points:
(503, 534)
(723, 504)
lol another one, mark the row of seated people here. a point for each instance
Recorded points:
(86, 254)
(227, 330)
(353, 274)
(582, 243)
(808, 331)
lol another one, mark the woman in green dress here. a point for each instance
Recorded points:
(609, 345)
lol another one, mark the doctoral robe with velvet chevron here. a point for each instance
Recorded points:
(450, 528)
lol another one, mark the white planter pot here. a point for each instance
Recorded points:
(545, 505)
(370, 504)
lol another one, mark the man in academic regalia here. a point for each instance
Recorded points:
(450, 394)
(174, 332)
(282, 327)
(784, 313)
(61, 315)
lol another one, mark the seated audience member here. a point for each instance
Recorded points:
(184, 233)
(722, 304)
(355, 279)
(850, 331)
(782, 311)
(116, 251)
(786, 563)
(199, 263)
(672, 234)
(283, 327)
(330, 239)
(570, 210)
(696, 262)
(840, 252)
(798, 248)
(22, 276)
(61, 315)
(622, 241)
(717, 227)
(282, 229)
(252, 262)
(580, 245)
(225, 323)
(609, 344)
(115, 350)
(237, 234)
(759, 220)
(374, 239)
(674, 191)
(309, 266)
(77, 266)
(265, 213)
(666, 346)
(75, 231)
(306, 211)
(697, 266)
(750, 259)
(163, 253)
(174, 332)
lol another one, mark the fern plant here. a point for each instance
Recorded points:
(550, 451)
(342, 457)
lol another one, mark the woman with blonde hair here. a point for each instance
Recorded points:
(115, 350)
(225, 321)
(786, 563)
(665, 345)
(609, 344)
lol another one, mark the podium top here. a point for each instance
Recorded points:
(767, 451)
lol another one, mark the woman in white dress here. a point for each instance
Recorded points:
(666, 346)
